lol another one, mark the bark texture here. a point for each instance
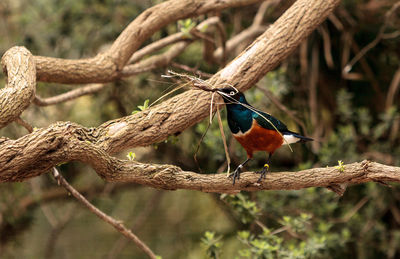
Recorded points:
(107, 66)
(19, 67)
(39, 151)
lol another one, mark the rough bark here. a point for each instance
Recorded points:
(36, 153)
(107, 66)
(19, 67)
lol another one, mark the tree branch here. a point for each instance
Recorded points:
(116, 224)
(39, 151)
(106, 67)
(70, 95)
(67, 143)
(19, 67)
(179, 36)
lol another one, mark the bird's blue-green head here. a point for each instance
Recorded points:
(231, 95)
(239, 115)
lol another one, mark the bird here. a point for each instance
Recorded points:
(255, 130)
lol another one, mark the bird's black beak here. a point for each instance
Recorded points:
(219, 91)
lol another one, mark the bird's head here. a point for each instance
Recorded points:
(231, 95)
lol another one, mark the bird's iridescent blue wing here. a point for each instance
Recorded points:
(265, 120)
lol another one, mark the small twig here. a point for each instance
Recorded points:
(393, 88)
(171, 39)
(353, 211)
(313, 96)
(49, 195)
(327, 45)
(73, 94)
(24, 124)
(336, 22)
(116, 224)
(391, 35)
(165, 58)
(48, 214)
(369, 74)
(221, 128)
(222, 34)
(195, 81)
(259, 17)
(155, 61)
(56, 231)
(251, 32)
(151, 204)
(260, 224)
(374, 42)
(201, 140)
(192, 70)
(239, 41)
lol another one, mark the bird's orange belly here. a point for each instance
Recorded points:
(259, 139)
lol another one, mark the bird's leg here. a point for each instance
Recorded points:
(236, 173)
(264, 170)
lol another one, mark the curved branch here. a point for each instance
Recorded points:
(250, 33)
(39, 151)
(67, 143)
(174, 178)
(118, 225)
(70, 95)
(36, 153)
(155, 61)
(20, 88)
(106, 67)
(179, 36)
(146, 65)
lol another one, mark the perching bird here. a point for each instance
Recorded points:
(255, 130)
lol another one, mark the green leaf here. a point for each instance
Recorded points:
(131, 156)
(142, 107)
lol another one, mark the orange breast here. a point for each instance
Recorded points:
(259, 139)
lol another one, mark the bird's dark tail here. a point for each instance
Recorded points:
(292, 137)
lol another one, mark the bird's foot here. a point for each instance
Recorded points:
(263, 172)
(236, 174)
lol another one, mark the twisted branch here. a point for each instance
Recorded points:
(18, 64)
(107, 66)
(68, 142)
(39, 151)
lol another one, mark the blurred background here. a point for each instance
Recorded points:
(341, 87)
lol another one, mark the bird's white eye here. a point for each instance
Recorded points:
(232, 93)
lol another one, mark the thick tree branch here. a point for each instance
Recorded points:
(38, 152)
(171, 177)
(71, 146)
(106, 67)
(19, 67)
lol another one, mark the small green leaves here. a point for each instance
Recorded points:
(142, 107)
(296, 224)
(243, 235)
(246, 209)
(340, 166)
(131, 156)
(186, 26)
(212, 244)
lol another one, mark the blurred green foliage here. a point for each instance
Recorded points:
(352, 124)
